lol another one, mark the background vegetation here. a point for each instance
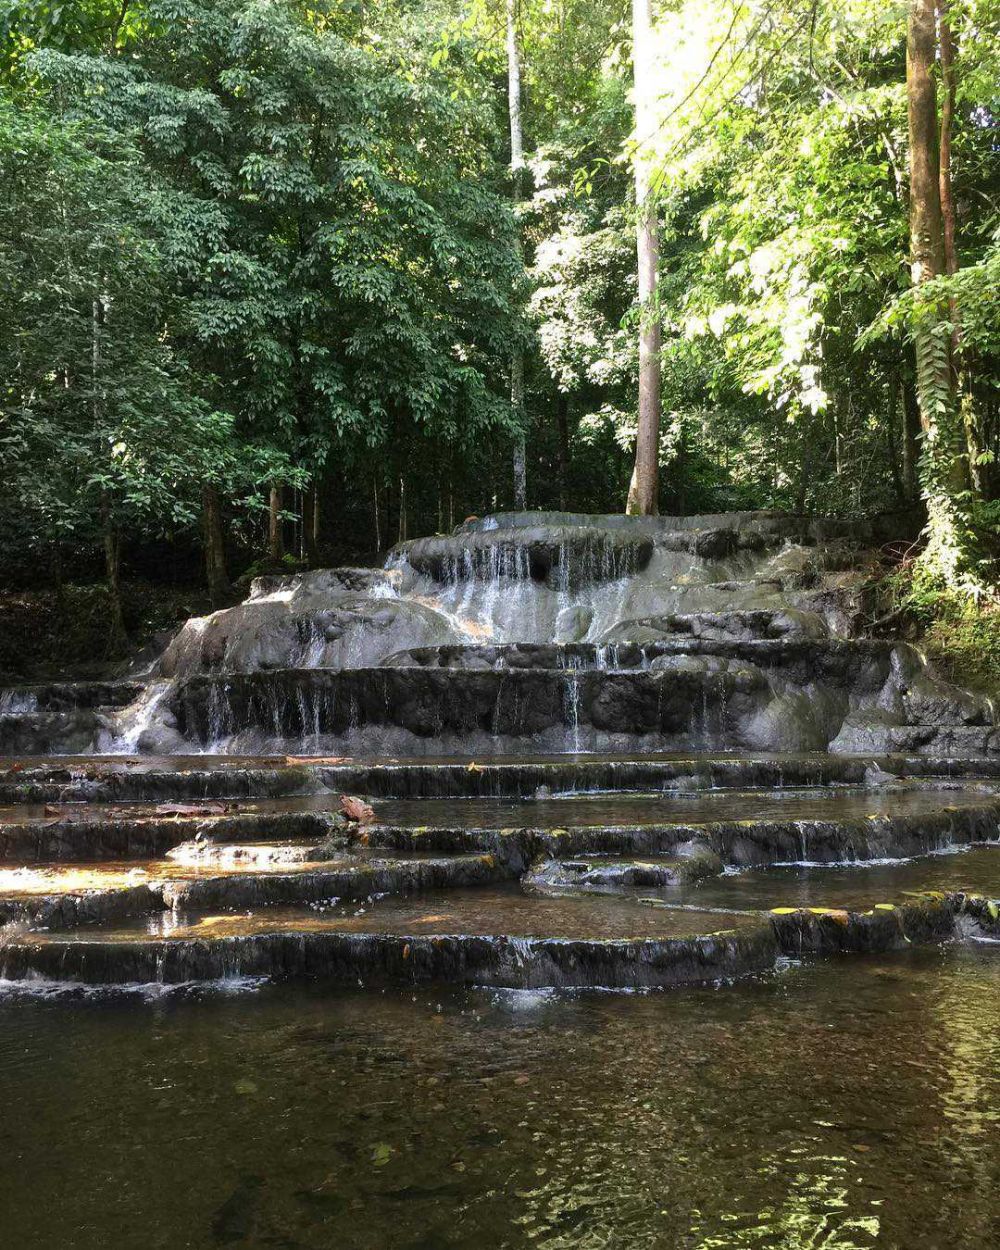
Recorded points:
(264, 264)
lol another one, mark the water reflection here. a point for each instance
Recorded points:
(848, 1106)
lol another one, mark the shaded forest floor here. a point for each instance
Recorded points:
(46, 635)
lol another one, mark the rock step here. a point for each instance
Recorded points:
(594, 873)
(689, 882)
(957, 741)
(845, 821)
(64, 897)
(475, 939)
(792, 694)
(48, 732)
(108, 779)
(64, 696)
(455, 706)
(120, 833)
(971, 870)
(736, 843)
(374, 959)
(562, 556)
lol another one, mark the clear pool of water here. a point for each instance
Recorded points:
(842, 1104)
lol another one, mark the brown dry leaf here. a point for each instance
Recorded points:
(189, 809)
(357, 809)
(317, 759)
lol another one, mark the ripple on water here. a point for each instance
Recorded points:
(852, 1104)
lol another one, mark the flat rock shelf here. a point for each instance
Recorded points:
(597, 752)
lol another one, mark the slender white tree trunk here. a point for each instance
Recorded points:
(942, 466)
(517, 172)
(644, 488)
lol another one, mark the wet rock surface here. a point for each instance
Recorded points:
(662, 912)
(552, 632)
(570, 748)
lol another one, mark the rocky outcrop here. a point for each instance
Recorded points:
(522, 658)
(565, 557)
(742, 626)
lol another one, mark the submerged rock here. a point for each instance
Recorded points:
(691, 862)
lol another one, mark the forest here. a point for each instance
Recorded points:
(286, 282)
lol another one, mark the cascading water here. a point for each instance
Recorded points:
(553, 634)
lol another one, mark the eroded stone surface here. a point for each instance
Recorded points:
(729, 641)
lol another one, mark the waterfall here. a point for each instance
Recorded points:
(572, 689)
(139, 716)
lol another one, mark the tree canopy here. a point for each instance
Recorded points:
(275, 256)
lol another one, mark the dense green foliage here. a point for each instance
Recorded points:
(256, 242)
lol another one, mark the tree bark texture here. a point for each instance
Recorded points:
(215, 545)
(644, 488)
(942, 468)
(517, 177)
(275, 537)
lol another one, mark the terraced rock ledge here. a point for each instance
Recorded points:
(598, 751)
(620, 889)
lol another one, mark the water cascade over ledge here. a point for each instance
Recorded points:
(555, 634)
(626, 752)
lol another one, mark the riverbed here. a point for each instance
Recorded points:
(838, 1104)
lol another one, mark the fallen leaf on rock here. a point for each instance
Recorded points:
(381, 1154)
(189, 809)
(317, 759)
(357, 809)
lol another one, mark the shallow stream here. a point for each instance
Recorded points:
(836, 1105)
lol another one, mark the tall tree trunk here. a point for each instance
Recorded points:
(911, 442)
(403, 527)
(943, 475)
(562, 419)
(315, 522)
(377, 518)
(947, 54)
(310, 523)
(517, 180)
(215, 545)
(644, 489)
(117, 633)
(948, 219)
(275, 537)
